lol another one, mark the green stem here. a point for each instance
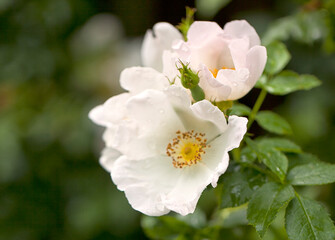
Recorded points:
(256, 107)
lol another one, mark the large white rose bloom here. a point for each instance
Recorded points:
(161, 150)
(229, 60)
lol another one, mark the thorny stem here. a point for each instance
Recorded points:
(256, 107)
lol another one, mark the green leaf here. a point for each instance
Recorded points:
(248, 155)
(272, 122)
(266, 203)
(278, 57)
(239, 186)
(306, 219)
(315, 173)
(281, 144)
(301, 159)
(240, 110)
(261, 81)
(275, 160)
(288, 81)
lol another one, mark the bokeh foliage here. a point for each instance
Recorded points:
(58, 59)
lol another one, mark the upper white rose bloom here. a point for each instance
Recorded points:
(161, 150)
(156, 41)
(229, 60)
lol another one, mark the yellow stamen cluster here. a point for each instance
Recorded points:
(187, 148)
(215, 71)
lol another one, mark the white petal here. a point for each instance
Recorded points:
(200, 30)
(238, 49)
(240, 29)
(156, 41)
(216, 157)
(217, 160)
(256, 60)
(146, 181)
(214, 90)
(178, 97)
(157, 123)
(108, 157)
(170, 59)
(236, 80)
(187, 190)
(202, 117)
(137, 79)
(111, 112)
(232, 137)
(208, 112)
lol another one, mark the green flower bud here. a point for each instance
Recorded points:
(188, 78)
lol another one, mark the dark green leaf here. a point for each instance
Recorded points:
(288, 81)
(271, 157)
(281, 144)
(239, 186)
(266, 203)
(275, 160)
(315, 173)
(248, 155)
(278, 57)
(306, 219)
(272, 122)
(240, 110)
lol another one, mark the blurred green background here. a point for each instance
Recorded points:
(60, 58)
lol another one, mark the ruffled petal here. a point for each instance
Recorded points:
(156, 41)
(241, 29)
(138, 79)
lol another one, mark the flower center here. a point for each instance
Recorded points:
(186, 148)
(215, 70)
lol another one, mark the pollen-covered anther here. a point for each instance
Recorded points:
(187, 148)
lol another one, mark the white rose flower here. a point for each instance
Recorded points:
(156, 41)
(229, 60)
(161, 150)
